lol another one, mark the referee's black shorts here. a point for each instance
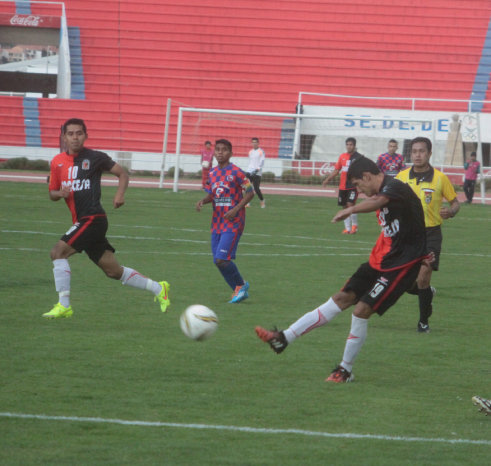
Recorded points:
(381, 290)
(434, 240)
(89, 235)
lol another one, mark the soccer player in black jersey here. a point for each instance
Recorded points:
(393, 265)
(75, 176)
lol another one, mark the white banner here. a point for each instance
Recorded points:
(393, 123)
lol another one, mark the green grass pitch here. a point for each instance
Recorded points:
(231, 400)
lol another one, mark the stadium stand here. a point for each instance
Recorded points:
(12, 121)
(129, 57)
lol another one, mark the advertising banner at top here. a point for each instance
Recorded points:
(31, 21)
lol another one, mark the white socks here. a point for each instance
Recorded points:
(319, 317)
(133, 278)
(313, 319)
(354, 220)
(356, 338)
(62, 274)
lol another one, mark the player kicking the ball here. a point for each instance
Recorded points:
(76, 177)
(393, 265)
(229, 190)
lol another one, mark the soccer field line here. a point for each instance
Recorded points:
(207, 253)
(196, 186)
(363, 250)
(252, 430)
(207, 230)
(192, 241)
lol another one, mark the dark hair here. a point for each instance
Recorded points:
(393, 140)
(74, 121)
(225, 142)
(361, 165)
(350, 139)
(473, 154)
(422, 139)
(207, 142)
(255, 139)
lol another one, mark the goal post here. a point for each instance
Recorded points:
(322, 138)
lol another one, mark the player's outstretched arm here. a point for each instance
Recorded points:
(124, 179)
(368, 205)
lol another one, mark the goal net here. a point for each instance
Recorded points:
(298, 147)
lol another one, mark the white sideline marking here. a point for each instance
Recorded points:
(363, 250)
(184, 253)
(253, 430)
(24, 249)
(170, 184)
(24, 177)
(184, 240)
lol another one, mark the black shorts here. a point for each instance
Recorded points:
(347, 195)
(381, 290)
(434, 240)
(89, 235)
(254, 177)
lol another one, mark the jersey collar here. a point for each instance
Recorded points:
(422, 176)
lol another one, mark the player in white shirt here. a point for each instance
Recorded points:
(255, 169)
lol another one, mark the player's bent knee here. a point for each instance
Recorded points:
(220, 263)
(362, 311)
(53, 254)
(60, 251)
(344, 299)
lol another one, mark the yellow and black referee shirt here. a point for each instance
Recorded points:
(431, 187)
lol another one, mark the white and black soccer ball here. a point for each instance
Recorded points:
(199, 322)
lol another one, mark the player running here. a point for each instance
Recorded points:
(229, 190)
(393, 265)
(76, 177)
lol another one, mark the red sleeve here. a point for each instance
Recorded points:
(54, 176)
(339, 163)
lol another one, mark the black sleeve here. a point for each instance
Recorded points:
(105, 162)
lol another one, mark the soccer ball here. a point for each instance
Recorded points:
(198, 322)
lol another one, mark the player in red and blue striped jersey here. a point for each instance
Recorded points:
(390, 162)
(229, 190)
